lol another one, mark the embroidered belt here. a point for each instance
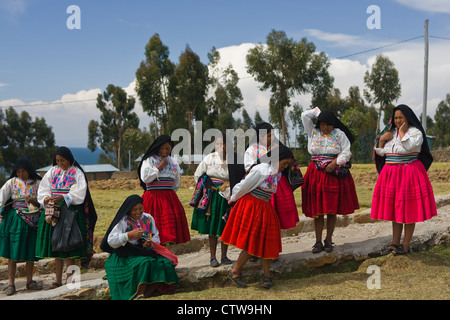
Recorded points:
(56, 192)
(395, 158)
(20, 204)
(160, 184)
(218, 181)
(261, 194)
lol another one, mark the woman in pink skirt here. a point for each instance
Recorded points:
(403, 192)
(329, 188)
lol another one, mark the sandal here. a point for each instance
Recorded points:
(56, 285)
(328, 247)
(10, 290)
(226, 260)
(317, 247)
(214, 263)
(267, 282)
(237, 281)
(389, 249)
(33, 285)
(400, 250)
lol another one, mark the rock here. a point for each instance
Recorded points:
(84, 293)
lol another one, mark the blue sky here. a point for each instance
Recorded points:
(42, 61)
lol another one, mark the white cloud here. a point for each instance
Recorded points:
(340, 39)
(13, 7)
(3, 84)
(440, 6)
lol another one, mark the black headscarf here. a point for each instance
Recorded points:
(89, 208)
(283, 153)
(329, 117)
(153, 150)
(128, 249)
(262, 127)
(24, 163)
(425, 155)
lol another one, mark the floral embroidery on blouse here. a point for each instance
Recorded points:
(170, 169)
(320, 140)
(145, 223)
(63, 180)
(21, 190)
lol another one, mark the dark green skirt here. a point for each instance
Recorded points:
(44, 238)
(125, 274)
(17, 239)
(212, 225)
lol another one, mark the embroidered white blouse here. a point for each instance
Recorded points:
(335, 143)
(150, 172)
(411, 142)
(16, 188)
(252, 154)
(262, 175)
(119, 236)
(213, 166)
(77, 187)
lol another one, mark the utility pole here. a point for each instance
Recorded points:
(425, 80)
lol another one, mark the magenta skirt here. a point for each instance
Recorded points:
(403, 194)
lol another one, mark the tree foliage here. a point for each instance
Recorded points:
(117, 116)
(286, 67)
(152, 81)
(383, 84)
(21, 136)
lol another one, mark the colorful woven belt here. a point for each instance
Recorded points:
(395, 158)
(217, 181)
(20, 204)
(160, 184)
(261, 194)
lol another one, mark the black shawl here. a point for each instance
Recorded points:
(24, 163)
(425, 155)
(153, 150)
(329, 117)
(128, 249)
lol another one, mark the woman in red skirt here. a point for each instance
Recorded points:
(159, 174)
(283, 200)
(253, 225)
(329, 188)
(403, 192)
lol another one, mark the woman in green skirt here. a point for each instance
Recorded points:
(210, 205)
(20, 211)
(65, 184)
(138, 264)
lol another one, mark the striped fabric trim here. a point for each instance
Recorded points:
(20, 203)
(261, 194)
(323, 157)
(395, 158)
(217, 181)
(60, 191)
(160, 184)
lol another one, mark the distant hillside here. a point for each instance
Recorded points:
(85, 156)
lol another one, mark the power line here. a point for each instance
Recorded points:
(378, 48)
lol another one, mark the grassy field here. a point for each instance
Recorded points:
(421, 275)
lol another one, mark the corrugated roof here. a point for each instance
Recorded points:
(89, 168)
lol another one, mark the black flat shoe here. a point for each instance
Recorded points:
(389, 249)
(400, 250)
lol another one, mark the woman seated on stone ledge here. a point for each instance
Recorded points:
(138, 264)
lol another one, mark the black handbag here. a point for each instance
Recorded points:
(66, 234)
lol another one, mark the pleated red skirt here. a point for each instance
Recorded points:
(169, 215)
(284, 204)
(254, 226)
(403, 193)
(324, 193)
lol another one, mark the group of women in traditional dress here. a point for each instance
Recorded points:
(243, 200)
